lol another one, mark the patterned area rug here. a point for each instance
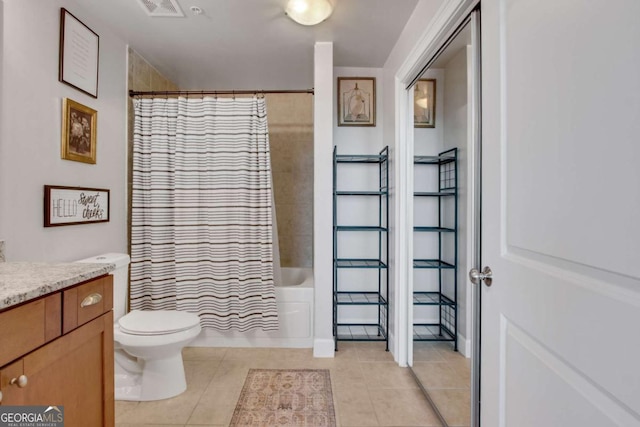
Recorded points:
(282, 397)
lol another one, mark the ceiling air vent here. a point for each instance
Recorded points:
(164, 8)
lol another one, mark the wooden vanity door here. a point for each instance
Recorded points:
(75, 371)
(12, 395)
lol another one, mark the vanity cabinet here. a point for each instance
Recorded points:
(58, 351)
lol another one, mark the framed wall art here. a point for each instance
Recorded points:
(79, 54)
(74, 205)
(424, 103)
(79, 132)
(356, 101)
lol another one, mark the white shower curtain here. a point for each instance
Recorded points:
(201, 229)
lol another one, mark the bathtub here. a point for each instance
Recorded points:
(294, 298)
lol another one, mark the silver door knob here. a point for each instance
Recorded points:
(476, 277)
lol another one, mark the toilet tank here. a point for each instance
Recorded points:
(120, 279)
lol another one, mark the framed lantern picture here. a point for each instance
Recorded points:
(356, 101)
(79, 131)
(424, 103)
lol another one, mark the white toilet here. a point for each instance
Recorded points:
(148, 344)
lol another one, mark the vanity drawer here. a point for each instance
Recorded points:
(86, 302)
(29, 326)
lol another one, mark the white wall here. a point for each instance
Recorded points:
(31, 131)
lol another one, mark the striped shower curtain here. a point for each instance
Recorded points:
(201, 227)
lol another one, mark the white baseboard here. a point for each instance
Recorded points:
(323, 347)
(464, 345)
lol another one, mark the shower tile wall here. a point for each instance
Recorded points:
(142, 76)
(291, 138)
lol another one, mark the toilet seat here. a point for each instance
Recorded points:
(158, 322)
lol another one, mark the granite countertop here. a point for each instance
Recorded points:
(24, 281)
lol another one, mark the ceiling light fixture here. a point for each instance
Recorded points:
(309, 12)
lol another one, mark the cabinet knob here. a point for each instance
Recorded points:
(0, 397)
(21, 381)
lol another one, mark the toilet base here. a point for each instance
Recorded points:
(154, 379)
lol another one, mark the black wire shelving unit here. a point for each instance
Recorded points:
(377, 294)
(442, 295)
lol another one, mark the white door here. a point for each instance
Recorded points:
(561, 213)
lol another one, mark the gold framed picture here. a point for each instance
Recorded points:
(79, 132)
(356, 101)
(424, 103)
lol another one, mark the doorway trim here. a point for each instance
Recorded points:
(441, 28)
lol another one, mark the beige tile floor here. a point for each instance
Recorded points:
(369, 388)
(446, 375)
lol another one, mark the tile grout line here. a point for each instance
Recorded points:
(204, 390)
(363, 373)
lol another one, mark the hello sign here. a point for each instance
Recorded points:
(74, 205)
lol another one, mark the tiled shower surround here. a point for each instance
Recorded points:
(291, 138)
(290, 119)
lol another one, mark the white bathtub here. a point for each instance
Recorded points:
(294, 298)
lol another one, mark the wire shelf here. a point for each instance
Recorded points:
(359, 263)
(360, 332)
(360, 228)
(431, 332)
(434, 160)
(434, 229)
(359, 298)
(375, 294)
(435, 193)
(432, 263)
(360, 158)
(361, 193)
(444, 324)
(431, 298)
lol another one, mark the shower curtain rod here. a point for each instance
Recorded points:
(214, 92)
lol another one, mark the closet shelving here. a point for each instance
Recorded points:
(440, 293)
(366, 292)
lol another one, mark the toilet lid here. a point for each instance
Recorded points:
(157, 322)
